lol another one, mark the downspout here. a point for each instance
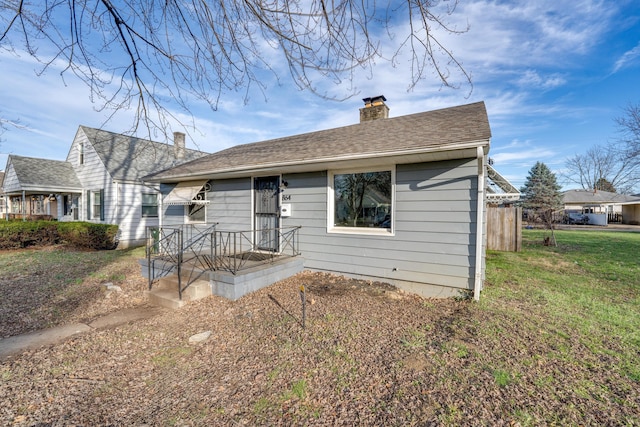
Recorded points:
(160, 210)
(24, 205)
(477, 285)
(117, 212)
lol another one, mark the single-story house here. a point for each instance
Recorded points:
(631, 212)
(100, 181)
(399, 200)
(607, 204)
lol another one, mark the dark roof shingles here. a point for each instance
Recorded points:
(129, 158)
(32, 171)
(440, 128)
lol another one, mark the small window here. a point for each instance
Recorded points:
(37, 205)
(361, 201)
(81, 153)
(149, 205)
(197, 212)
(97, 205)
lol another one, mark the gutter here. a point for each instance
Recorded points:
(477, 284)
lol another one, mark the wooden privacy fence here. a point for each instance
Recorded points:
(504, 229)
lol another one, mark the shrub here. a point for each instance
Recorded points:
(21, 234)
(88, 235)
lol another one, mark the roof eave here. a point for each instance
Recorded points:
(43, 189)
(466, 149)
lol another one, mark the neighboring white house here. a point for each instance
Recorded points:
(3, 200)
(605, 204)
(98, 182)
(399, 200)
(631, 212)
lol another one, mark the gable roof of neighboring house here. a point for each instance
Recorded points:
(42, 174)
(412, 137)
(128, 158)
(590, 197)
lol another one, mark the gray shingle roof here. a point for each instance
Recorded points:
(598, 197)
(128, 158)
(35, 172)
(433, 130)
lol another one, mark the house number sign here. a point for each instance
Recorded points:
(286, 197)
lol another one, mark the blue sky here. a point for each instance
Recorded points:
(554, 76)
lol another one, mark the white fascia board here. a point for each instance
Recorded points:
(39, 189)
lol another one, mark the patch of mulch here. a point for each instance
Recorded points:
(368, 355)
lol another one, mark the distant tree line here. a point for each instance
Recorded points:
(614, 166)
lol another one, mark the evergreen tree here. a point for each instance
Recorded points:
(603, 185)
(541, 195)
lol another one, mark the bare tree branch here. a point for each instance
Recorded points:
(150, 53)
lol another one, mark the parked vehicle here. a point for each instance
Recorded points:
(576, 218)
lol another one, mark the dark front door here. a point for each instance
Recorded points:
(267, 213)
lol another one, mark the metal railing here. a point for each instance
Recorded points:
(236, 250)
(166, 248)
(191, 250)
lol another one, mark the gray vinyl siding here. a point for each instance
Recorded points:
(230, 204)
(433, 245)
(434, 241)
(173, 214)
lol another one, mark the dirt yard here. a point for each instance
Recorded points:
(369, 356)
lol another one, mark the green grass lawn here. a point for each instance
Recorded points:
(554, 340)
(579, 303)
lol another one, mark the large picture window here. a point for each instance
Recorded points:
(362, 201)
(149, 205)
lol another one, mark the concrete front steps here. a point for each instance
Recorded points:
(164, 292)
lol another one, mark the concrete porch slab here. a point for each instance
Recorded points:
(233, 287)
(220, 283)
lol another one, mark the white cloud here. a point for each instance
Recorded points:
(526, 155)
(513, 50)
(629, 58)
(528, 34)
(531, 79)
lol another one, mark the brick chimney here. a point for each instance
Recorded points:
(178, 145)
(374, 109)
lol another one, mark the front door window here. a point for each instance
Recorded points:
(267, 213)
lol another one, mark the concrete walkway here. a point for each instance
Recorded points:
(19, 343)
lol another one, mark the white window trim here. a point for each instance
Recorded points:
(331, 228)
(95, 216)
(81, 153)
(148, 193)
